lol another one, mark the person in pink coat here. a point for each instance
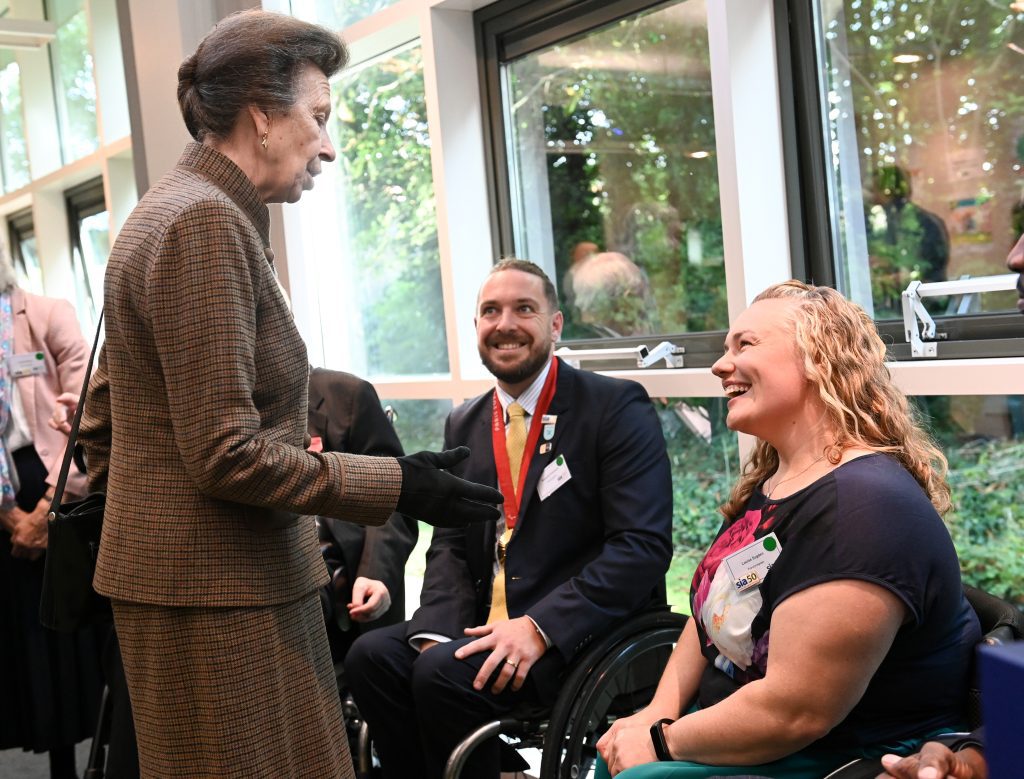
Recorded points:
(49, 682)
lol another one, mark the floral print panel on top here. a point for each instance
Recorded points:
(724, 615)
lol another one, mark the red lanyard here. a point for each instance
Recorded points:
(501, 453)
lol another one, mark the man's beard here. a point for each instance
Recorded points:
(513, 374)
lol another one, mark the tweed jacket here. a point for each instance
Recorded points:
(196, 415)
(49, 325)
(345, 413)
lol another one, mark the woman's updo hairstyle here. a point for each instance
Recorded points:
(251, 58)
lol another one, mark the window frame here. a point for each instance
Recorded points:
(82, 201)
(810, 206)
(20, 227)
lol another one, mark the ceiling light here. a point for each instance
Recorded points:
(698, 155)
(26, 33)
(907, 59)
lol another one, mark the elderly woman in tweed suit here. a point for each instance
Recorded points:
(195, 423)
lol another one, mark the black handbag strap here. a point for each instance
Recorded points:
(58, 491)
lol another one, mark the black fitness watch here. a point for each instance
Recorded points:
(658, 738)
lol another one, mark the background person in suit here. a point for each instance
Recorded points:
(592, 511)
(195, 424)
(366, 564)
(49, 682)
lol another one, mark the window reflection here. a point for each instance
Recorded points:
(25, 256)
(983, 438)
(926, 134)
(614, 183)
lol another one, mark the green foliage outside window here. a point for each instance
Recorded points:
(12, 128)
(387, 193)
(704, 468)
(988, 522)
(74, 83)
(985, 467)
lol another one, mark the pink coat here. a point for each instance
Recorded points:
(49, 325)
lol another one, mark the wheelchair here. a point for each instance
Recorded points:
(1001, 623)
(615, 677)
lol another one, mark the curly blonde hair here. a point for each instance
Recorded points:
(844, 357)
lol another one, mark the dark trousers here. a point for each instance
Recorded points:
(420, 706)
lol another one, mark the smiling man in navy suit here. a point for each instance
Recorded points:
(583, 543)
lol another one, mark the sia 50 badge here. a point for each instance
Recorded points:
(748, 567)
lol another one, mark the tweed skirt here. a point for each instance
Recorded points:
(233, 692)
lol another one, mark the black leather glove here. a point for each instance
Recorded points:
(431, 495)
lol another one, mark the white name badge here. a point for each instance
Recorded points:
(28, 364)
(748, 567)
(554, 475)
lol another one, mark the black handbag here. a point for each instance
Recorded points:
(68, 600)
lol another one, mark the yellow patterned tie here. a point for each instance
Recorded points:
(515, 443)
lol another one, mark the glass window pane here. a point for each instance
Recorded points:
(13, 154)
(29, 271)
(983, 437)
(337, 14)
(387, 222)
(611, 141)
(90, 265)
(926, 136)
(420, 427)
(704, 455)
(419, 423)
(74, 85)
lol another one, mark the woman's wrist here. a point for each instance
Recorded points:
(659, 740)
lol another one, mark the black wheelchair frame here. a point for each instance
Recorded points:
(615, 677)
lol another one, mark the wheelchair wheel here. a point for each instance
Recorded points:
(616, 678)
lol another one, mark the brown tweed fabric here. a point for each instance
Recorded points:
(196, 415)
(233, 692)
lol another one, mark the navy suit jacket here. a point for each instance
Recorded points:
(595, 551)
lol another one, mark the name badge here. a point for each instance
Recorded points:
(552, 477)
(748, 567)
(28, 364)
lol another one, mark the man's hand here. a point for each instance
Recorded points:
(29, 533)
(936, 761)
(628, 743)
(370, 599)
(514, 644)
(431, 495)
(63, 412)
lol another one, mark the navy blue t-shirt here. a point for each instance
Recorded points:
(868, 520)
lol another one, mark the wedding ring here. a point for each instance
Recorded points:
(514, 665)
